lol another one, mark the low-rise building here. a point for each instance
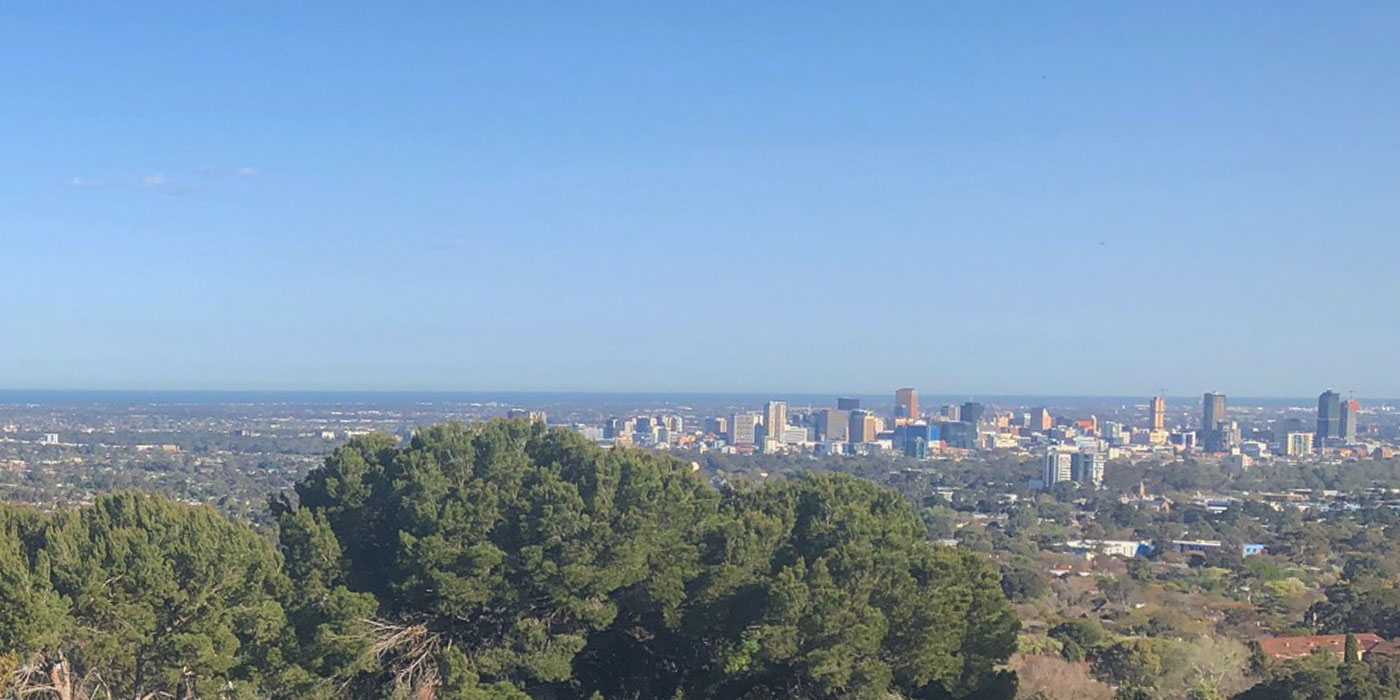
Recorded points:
(1283, 648)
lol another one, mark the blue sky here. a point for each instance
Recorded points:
(1059, 198)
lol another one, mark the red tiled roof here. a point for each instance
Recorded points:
(1293, 647)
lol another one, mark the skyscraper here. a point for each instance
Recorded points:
(1346, 421)
(863, 426)
(1040, 419)
(1212, 410)
(833, 425)
(1329, 418)
(916, 447)
(774, 419)
(958, 434)
(972, 412)
(847, 404)
(906, 403)
(742, 429)
(1059, 466)
(1213, 436)
(1087, 468)
(1157, 413)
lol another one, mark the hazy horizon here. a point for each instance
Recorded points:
(929, 399)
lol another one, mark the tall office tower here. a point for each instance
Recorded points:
(743, 428)
(1114, 432)
(1231, 437)
(612, 428)
(1157, 412)
(1346, 421)
(906, 403)
(774, 419)
(847, 404)
(1059, 466)
(1329, 409)
(718, 425)
(1213, 433)
(972, 412)
(951, 411)
(1212, 410)
(863, 426)
(916, 447)
(958, 434)
(833, 425)
(1086, 468)
(1040, 419)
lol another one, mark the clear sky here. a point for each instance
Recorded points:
(978, 197)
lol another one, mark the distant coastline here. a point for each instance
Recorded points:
(516, 398)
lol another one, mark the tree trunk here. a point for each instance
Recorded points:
(61, 678)
(139, 682)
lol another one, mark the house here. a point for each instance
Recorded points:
(1296, 647)
(1117, 548)
(1201, 546)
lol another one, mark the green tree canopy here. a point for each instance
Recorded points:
(510, 561)
(140, 596)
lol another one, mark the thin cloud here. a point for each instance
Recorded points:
(90, 183)
(158, 183)
(218, 171)
(154, 182)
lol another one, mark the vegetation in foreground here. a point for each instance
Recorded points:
(502, 560)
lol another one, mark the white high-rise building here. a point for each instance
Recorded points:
(1059, 466)
(743, 428)
(1087, 468)
(774, 419)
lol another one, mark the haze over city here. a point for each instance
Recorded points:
(1092, 199)
(699, 351)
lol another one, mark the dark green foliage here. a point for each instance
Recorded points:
(503, 561)
(1320, 677)
(141, 595)
(1078, 636)
(1359, 608)
(1133, 663)
(1021, 583)
(539, 566)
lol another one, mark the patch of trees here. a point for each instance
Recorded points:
(502, 561)
(1321, 677)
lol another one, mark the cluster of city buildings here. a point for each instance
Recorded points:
(845, 428)
(1333, 432)
(1075, 448)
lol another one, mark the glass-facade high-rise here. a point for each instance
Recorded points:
(1329, 418)
(1346, 421)
(1213, 428)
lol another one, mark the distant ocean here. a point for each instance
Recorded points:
(533, 398)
